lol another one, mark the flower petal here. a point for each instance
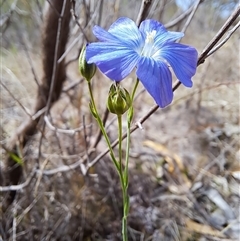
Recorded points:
(149, 25)
(103, 35)
(126, 31)
(183, 60)
(162, 35)
(157, 79)
(114, 61)
(161, 39)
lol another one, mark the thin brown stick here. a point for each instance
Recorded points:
(6, 18)
(195, 7)
(12, 96)
(20, 186)
(75, 17)
(64, 131)
(35, 77)
(229, 34)
(143, 12)
(162, 8)
(179, 18)
(219, 35)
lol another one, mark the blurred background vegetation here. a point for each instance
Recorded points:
(184, 177)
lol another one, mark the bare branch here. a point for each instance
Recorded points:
(179, 18)
(75, 17)
(63, 131)
(219, 35)
(143, 12)
(5, 20)
(229, 34)
(65, 168)
(161, 8)
(21, 38)
(19, 103)
(72, 85)
(20, 186)
(191, 16)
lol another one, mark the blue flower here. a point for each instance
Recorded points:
(151, 49)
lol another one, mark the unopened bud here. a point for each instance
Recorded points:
(119, 100)
(87, 70)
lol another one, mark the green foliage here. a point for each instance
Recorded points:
(16, 158)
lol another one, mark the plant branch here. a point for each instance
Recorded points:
(230, 33)
(179, 18)
(63, 131)
(143, 12)
(219, 35)
(195, 7)
(20, 186)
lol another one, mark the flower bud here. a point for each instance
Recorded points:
(119, 100)
(87, 70)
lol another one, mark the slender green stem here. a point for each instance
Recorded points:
(125, 215)
(125, 174)
(124, 184)
(135, 88)
(120, 142)
(124, 178)
(129, 120)
(124, 187)
(101, 126)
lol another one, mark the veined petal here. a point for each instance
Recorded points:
(103, 35)
(126, 31)
(162, 39)
(183, 60)
(149, 25)
(157, 80)
(114, 61)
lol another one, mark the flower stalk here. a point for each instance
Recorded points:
(124, 187)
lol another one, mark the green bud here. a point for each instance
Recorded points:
(119, 100)
(87, 70)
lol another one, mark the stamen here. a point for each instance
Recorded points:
(150, 36)
(148, 48)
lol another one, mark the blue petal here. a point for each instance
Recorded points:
(183, 60)
(161, 39)
(149, 25)
(162, 35)
(103, 35)
(126, 31)
(157, 80)
(115, 61)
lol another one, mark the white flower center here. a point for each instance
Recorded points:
(148, 48)
(150, 37)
